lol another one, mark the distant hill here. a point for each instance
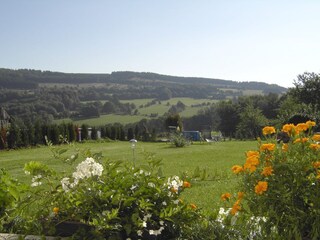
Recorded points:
(30, 79)
(31, 94)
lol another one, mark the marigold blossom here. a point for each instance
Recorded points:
(252, 153)
(311, 123)
(261, 187)
(316, 137)
(301, 127)
(225, 196)
(316, 164)
(268, 130)
(315, 146)
(267, 171)
(237, 169)
(193, 206)
(186, 184)
(236, 207)
(267, 146)
(301, 140)
(288, 128)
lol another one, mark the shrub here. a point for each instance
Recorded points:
(112, 199)
(280, 184)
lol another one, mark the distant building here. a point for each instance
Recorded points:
(192, 135)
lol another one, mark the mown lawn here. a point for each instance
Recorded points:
(215, 158)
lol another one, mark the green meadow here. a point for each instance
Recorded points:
(213, 161)
(144, 111)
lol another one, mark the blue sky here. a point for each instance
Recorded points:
(242, 40)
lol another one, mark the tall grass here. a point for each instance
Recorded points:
(210, 163)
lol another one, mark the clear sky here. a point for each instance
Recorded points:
(243, 40)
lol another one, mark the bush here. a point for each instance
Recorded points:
(113, 199)
(280, 184)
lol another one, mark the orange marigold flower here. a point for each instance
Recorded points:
(285, 147)
(267, 146)
(252, 153)
(267, 171)
(301, 140)
(249, 166)
(315, 146)
(193, 206)
(311, 123)
(225, 196)
(316, 137)
(261, 187)
(236, 207)
(254, 160)
(237, 169)
(301, 127)
(268, 130)
(240, 195)
(288, 128)
(186, 184)
(56, 210)
(316, 164)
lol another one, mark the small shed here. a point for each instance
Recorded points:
(192, 135)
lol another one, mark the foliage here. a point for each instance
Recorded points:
(9, 195)
(113, 198)
(178, 140)
(280, 183)
(307, 87)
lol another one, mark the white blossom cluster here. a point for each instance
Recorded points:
(174, 184)
(86, 169)
(36, 180)
(154, 232)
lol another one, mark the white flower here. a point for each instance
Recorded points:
(139, 233)
(144, 224)
(133, 187)
(65, 184)
(36, 181)
(174, 183)
(164, 203)
(35, 184)
(152, 185)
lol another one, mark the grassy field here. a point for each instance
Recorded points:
(216, 158)
(144, 111)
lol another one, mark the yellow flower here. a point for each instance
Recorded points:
(288, 128)
(56, 210)
(315, 146)
(252, 153)
(268, 130)
(267, 171)
(236, 169)
(301, 127)
(267, 146)
(225, 196)
(311, 123)
(236, 207)
(301, 140)
(261, 187)
(316, 137)
(186, 184)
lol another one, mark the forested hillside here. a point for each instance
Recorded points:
(28, 94)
